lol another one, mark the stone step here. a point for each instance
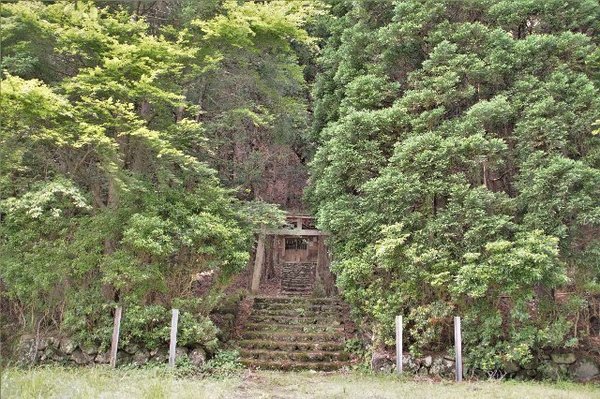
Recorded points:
(310, 328)
(305, 294)
(298, 280)
(292, 346)
(295, 272)
(297, 293)
(297, 305)
(296, 284)
(300, 290)
(298, 274)
(291, 366)
(297, 287)
(295, 332)
(316, 309)
(293, 336)
(296, 356)
(306, 283)
(315, 301)
(316, 319)
(299, 312)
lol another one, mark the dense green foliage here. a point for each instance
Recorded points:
(458, 171)
(455, 150)
(109, 176)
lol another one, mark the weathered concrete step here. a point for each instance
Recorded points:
(309, 328)
(293, 336)
(292, 346)
(316, 319)
(297, 356)
(290, 366)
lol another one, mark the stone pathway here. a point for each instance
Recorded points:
(295, 333)
(298, 278)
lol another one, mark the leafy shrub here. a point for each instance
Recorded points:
(145, 326)
(225, 363)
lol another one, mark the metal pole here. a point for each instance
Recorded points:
(458, 349)
(399, 344)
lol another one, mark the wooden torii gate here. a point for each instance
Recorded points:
(298, 226)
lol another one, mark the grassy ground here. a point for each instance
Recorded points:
(106, 383)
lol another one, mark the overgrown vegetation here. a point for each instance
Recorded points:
(225, 363)
(459, 173)
(111, 163)
(454, 149)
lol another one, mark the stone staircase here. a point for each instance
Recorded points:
(298, 278)
(284, 333)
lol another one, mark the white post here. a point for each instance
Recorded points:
(173, 342)
(399, 344)
(458, 349)
(115, 337)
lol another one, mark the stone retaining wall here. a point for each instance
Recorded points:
(571, 365)
(59, 350)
